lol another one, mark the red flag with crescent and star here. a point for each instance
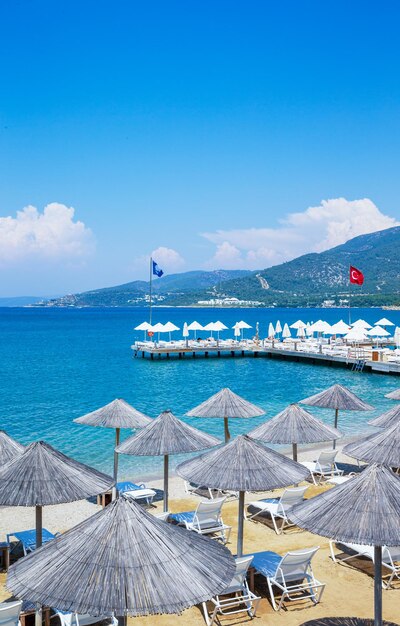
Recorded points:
(356, 277)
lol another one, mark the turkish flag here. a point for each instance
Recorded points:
(356, 277)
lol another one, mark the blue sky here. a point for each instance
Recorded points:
(206, 129)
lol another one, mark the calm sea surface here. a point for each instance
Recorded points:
(57, 364)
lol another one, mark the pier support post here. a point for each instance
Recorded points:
(206, 354)
(232, 353)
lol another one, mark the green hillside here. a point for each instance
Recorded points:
(313, 277)
(305, 281)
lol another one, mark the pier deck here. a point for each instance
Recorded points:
(356, 360)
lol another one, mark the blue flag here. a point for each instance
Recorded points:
(157, 271)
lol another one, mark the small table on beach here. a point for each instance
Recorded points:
(27, 615)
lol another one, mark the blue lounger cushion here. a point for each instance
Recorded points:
(28, 538)
(128, 486)
(266, 562)
(181, 518)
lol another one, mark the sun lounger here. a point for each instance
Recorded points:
(199, 490)
(291, 575)
(324, 467)
(9, 613)
(236, 598)
(27, 538)
(390, 558)
(205, 520)
(279, 508)
(133, 491)
(75, 619)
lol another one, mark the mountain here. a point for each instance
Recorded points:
(312, 277)
(305, 281)
(175, 287)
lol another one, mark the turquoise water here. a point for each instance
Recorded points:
(57, 364)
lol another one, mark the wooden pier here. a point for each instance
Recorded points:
(355, 361)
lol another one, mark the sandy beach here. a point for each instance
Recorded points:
(349, 587)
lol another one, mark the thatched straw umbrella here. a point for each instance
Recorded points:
(393, 395)
(125, 561)
(364, 510)
(9, 448)
(116, 414)
(167, 435)
(242, 465)
(339, 398)
(387, 419)
(226, 404)
(294, 425)
(382, 447)
(42, 476)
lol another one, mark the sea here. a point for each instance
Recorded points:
(57, 364)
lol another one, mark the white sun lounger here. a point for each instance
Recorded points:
(324, 466)
(291, 574)
(9, 613)
(279, 508)
(205, 520)
(236, 598)
(390, 558)
(76, 619)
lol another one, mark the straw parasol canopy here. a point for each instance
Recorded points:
(167, 435)
(125, 561)
(242, 465)
(226, 404)
(382, 447)
(338, 398)
(364, 510)
(387, 419)
(393, 395)
(294, 425)
(9, 448)
(42, 476)
(116, 414)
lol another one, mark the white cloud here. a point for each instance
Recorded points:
(317, 228)
(168, 259)
(52, 234)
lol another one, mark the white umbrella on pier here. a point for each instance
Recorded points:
(286, 332)
(384, 322)
(211, 327)
(309, 332)
(298, 324)
(170, 327)
(145, 326)
(378, 332)
(195, 326)
(185, 332)
(242, 325)
(236, 331)
(278, 327)
(218, 327)
(397, 336)
(340, 328)
(158, 328)
(361, 324)
(320, 327)
(356, 334)
(301, 332)
(271, 330)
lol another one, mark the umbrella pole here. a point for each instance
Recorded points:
(117, 436)
(165, 509)
(240, 524)
(336, 425)
(378, 586)
(294, 448)
(226, 429)
(39, 527)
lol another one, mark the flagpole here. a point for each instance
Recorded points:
(151, 288)
(349, 298)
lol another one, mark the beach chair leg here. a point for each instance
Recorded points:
(313, 479)
(206, 615)
(278, 532)
(271, 593)
(331, 551)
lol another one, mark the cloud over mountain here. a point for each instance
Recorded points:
(316, 229)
